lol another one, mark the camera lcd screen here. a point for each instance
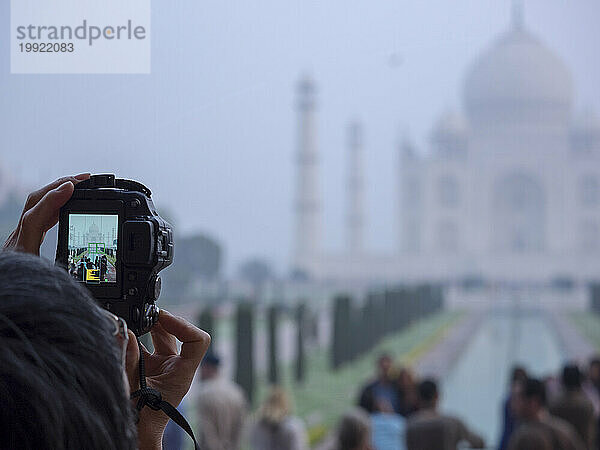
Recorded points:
(93, 247)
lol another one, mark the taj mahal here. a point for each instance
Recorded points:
(508, 191)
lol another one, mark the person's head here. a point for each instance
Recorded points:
(209, 369)
(406, 378)
(62, 380)
(516, 397)
(594, 370)
(384, 366)
(518, 374)
(276, 406)
(354, 431)
(571, 377)
(428, 393)
(530, 399)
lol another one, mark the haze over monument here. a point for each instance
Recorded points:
(508, 189)
(224, 104)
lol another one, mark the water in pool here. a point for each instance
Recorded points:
(475, 387)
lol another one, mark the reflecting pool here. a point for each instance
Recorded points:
(475, 387)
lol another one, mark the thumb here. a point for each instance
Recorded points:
(42, 217)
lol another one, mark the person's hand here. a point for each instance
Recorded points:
(168, 371)
(40, 213)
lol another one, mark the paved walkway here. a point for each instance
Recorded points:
(572, 342)
(439, 360)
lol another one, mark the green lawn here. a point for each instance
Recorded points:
(589, 325)
(325, 394)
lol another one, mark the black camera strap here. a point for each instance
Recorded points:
(152, 398)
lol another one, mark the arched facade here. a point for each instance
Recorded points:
(519, 214)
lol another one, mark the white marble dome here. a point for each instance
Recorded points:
(518, 73)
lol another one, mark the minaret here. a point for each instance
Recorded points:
(410, 211)
(307, 205)
(354, 190)
(518, 14)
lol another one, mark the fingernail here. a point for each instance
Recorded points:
(82, 176)
(64, 186)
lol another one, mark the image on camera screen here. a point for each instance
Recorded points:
(93, 247)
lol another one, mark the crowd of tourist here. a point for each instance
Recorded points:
(404, 413)
(396, 411)
(79, 270)
(553, 413)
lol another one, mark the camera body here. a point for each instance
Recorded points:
(111, 238)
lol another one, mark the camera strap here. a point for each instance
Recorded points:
(152, 398)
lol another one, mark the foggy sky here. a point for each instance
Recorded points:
(212, 130)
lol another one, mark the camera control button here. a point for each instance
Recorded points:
(133, 291)
(134, 203)
(155, 288)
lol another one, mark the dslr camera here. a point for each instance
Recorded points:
(111, 239)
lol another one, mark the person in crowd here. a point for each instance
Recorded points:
(103, 267)
(173, 437)
(531, 439)
(67, 366)
(408, 397)
(428, 429)
(388, 428)
(222, 408)
(594, 372)
(591, 383)
(353, 432)
(574, 407)
(276, 428)
(518, 375)
(81, 270)
(592, 389)
(383, 387)
(535, 420)
(553, 386)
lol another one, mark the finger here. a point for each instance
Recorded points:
(164, 342)
(36, 196)
(82, 176)
(11, 240)
(195, 341)
(42, 217)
